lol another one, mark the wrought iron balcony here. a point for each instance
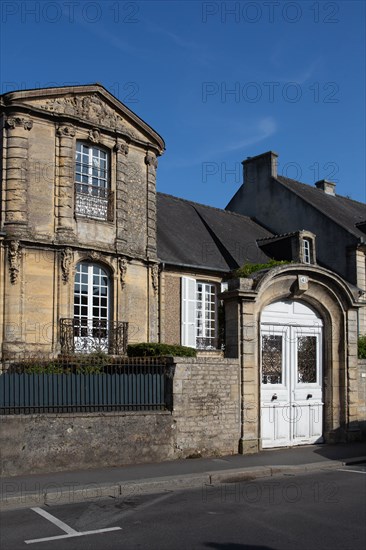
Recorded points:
(84, 336)
(94, 202)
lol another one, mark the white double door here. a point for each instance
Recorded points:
(291, 375)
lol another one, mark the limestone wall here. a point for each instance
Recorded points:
(56, 442)
(171, 318)
(206, 406)
(204, 422)
(38, 291)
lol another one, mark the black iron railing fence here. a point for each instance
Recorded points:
(87, 384)
(84, 336)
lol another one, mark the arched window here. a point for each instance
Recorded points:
(91, 307)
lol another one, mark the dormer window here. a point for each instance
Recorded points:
(306, 251)
(92, 182)
(298, 246)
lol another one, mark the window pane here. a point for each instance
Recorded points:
(91, 169)
(306, 359)
(271, 359)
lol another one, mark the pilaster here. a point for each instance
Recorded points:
(65, 184)
(17, 166)
(121, 148)
(151, 166)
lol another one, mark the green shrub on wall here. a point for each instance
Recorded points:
(248, 269)
(362, 347)
(158, 350)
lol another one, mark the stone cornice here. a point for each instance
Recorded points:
(71, 120)
(77, 248)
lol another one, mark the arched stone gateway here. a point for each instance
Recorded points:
(294, 329)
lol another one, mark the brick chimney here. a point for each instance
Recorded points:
(261, 166)
(326, 186)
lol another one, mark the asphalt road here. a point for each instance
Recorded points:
(323, 511)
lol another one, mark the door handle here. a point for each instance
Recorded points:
(309, 396)
(274, 397)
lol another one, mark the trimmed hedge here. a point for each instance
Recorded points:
(158, 350)
(362, 347)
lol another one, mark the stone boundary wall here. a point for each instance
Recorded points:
(207, 406)
(205, 422)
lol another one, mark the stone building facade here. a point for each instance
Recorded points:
(284, 205)
(92, 258)
(78, 202)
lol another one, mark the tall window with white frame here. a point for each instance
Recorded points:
(91, 308)
(306, 251)
(92, 181)
(199, 314)
(206, 315)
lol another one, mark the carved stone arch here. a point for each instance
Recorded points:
(331, 281)
(335, 302)
(95, 257)
(331, 298)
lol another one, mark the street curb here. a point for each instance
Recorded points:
(68, 493)
(357, 460)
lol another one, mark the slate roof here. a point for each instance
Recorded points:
(345, 212)
(195, 235)
(278, 237)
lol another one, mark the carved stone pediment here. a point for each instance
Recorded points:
(91, 108)
(93, 104)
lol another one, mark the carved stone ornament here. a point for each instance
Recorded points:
(66, 131)
(94, 135)
(67, 258)
(94, 256)
(14, 255)
(151, 160)
(88, 107)
(121, 148)
(12, 122)
(362, 295)
(122, 264)
(302, 282)
(155, 277)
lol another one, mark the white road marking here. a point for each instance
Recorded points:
(77, 534)
(70, 532)
(353, 471)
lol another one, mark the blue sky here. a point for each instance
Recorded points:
(220, 81)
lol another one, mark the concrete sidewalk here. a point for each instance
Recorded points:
(126, 481)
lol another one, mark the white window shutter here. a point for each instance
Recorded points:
(188, 312)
